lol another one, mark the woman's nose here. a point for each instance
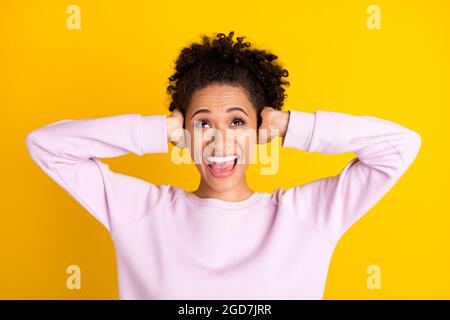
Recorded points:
(223, 141)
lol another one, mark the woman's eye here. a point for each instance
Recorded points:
(238, 122)
(201, 123)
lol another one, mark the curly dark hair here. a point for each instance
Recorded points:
(221, 60)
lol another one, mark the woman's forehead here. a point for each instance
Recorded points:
(219, 98)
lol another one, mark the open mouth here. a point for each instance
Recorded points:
(221, 167)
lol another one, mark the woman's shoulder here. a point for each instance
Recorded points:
(171, 192)
(274, 197)
(285, 195)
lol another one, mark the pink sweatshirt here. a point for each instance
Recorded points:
(172, 244)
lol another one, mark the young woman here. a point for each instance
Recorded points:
(224, 240)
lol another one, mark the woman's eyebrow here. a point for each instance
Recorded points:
(228, 110)
(200, 111)
(237, 109)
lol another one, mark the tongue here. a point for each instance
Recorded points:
(223, 167)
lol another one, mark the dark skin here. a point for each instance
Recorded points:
(225, 107)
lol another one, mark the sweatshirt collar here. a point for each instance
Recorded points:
(223, 203)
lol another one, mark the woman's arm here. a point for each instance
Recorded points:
(384, 151)
(68, 152)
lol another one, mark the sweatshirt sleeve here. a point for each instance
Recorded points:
(68, 151)
(384, 150)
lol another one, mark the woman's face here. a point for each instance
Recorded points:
(222, 124)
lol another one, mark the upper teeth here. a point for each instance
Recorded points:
(221, 159)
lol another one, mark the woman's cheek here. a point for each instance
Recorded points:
(248, 148)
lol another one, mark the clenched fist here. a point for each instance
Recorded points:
(175, 132)
(274, 123)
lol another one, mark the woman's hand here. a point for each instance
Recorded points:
(175, 131)
(274, 123)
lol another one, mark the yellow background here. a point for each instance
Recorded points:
(119, 62)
